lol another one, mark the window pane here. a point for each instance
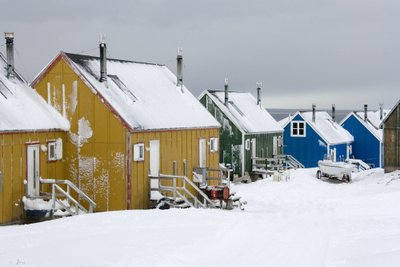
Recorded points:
(301, 131)
(295, 131)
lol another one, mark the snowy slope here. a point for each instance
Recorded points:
(145, 95)
(302, 222)
(22, 109)
(243, 111)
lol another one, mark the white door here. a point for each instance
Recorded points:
(33, 170)
(154, 161)
(253, 148)
(275, 146)
(202, 153)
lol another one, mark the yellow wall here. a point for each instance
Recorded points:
(97, 165)
(174, 146)
(13, 169)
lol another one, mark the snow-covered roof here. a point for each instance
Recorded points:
(328, 129)
(389, 113)
(373, 121)
(144, 95)
(22, 109)
(243, 111)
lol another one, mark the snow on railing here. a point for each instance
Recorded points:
(58, 190)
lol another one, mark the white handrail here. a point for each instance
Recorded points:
(55, 187)
(174, 189)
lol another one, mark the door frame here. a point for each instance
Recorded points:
(202, 148)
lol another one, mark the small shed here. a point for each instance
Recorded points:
(368, 137)
(128, 119)
(248, 130)
(310, 136)
(391, 139)
(31, 138)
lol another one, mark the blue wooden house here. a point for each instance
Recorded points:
(312, 136)
(368, 138)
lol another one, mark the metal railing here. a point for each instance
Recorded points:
(73, 207)
(182, 191)
(277, 163)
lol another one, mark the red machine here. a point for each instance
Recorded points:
(218, 192)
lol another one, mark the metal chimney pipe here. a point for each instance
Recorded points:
(365, 112)
(10, 53)
(226, 91)
(380, 111)
(313, 112)
(333, 112)
(259, 84)
(103, 58)
(179, 67)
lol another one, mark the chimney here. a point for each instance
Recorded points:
(103, 58)
(259, 84)
(313, 113)
(380, 111)
(226, 91)
(333, 112)
(179, 68)
(365, 112)
(10, 53)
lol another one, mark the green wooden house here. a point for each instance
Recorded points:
(248, 130)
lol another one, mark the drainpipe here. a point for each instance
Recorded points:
(103, 58)
(313, 113)
(259, 84)
(333, 112)
(226, 91)
(365, 112)
(179, 67)
(10, 53)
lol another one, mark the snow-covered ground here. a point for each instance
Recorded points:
(302, 222)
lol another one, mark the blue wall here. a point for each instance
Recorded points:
(366, 145)
(309, 149)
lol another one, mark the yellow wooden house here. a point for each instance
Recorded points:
(31, 138)
(128, 120)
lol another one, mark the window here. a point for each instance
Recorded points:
(213, 144)
(247, 144)
(54, 150)
(138, 152)
(298, 128)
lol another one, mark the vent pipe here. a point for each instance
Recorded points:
(179, 68)
(365, 112)
(103, 58)
(380, 111)
(10, 53)
(333, 112)
(226, 91)
(259, 84)
(313, 113)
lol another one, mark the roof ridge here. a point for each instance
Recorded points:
(72, 55)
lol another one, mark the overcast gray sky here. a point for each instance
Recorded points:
(345, 52)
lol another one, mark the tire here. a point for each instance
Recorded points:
(319, 174)
(346, 178)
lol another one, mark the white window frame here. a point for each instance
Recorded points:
(50, 145)
(298, 123)
(57, 149)
(247, 144)
(213, 144)
(138, 152)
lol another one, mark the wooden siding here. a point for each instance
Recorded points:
(264, 147)
(175, 145)
(13, 169)
(98, 164)
(230, 137)
(392, 141)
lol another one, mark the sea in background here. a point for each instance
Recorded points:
(281, 113)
